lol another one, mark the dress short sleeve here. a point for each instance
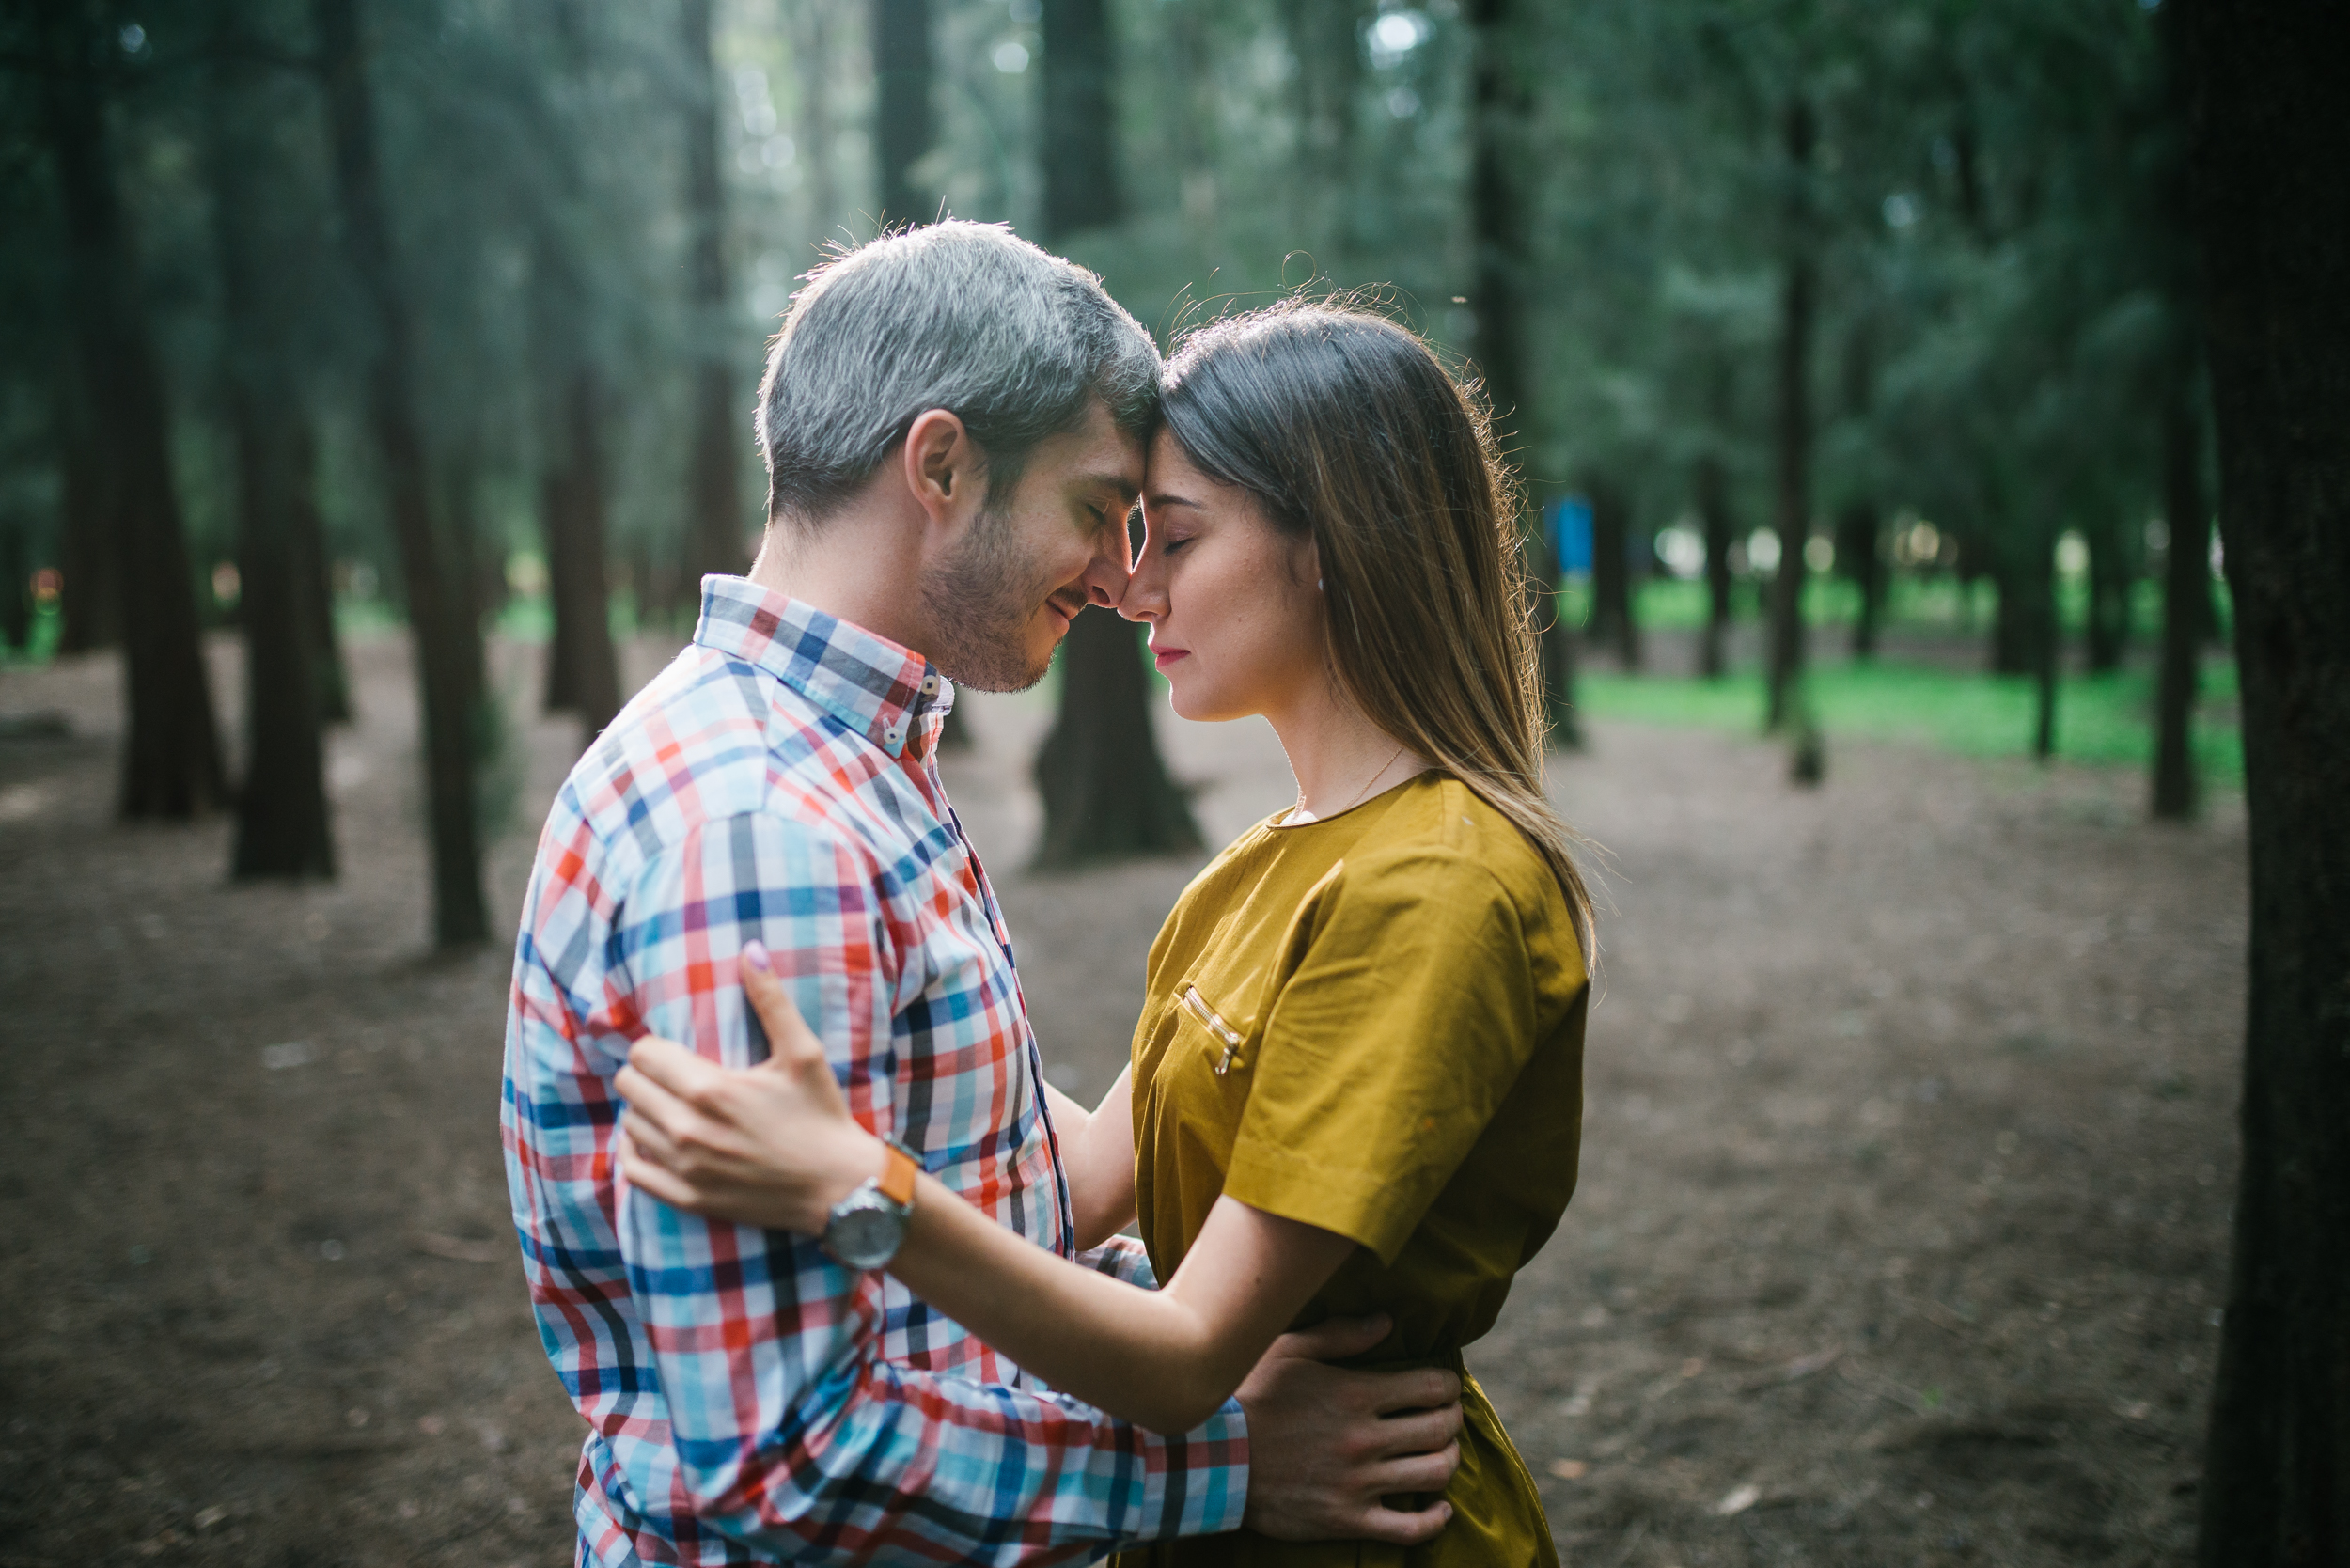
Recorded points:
(1405, 1011)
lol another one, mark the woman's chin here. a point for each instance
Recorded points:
(1189, 702)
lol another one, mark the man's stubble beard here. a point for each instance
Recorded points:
(979, 601)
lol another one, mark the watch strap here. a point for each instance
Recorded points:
(898, 1173)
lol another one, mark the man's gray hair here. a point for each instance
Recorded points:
(959, 316)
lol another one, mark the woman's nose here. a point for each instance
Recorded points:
(1144, 601)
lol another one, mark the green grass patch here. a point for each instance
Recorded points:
(2105, 719)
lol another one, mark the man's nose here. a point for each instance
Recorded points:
(1107, 573)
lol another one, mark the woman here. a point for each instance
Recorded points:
(1357, 1083)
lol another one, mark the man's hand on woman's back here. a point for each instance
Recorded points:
(1328, 1447)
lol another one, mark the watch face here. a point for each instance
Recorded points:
(864, 1237)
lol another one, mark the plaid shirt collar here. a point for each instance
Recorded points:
(880, 689)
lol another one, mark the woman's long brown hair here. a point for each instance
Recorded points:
(1348, 431)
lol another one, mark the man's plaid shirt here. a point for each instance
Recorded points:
(747, 1398)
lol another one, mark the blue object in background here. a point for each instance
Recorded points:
(1568, 521)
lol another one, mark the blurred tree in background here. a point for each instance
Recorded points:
(1874, 314)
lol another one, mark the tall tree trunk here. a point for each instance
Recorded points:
(448, 644)
(1081, 188)
(91, 607)
(1613, 621)
(2268, 146)
(713, 501)
(283, 826)
(903, 125)
(2186, 600)
(1792, 516)
(1500, 219)
(16, 596)
(583, 672)
(2047, 632)
(2012, 628)
(1327, 47)
(1858, 528)
(812, 63)
(1106, 793)
(1713, 500)
(2110, 577)
(332, 682)
(1106, 790)
(171, 765)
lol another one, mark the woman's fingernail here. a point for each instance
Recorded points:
(754, 954)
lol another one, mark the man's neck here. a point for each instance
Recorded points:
(853, 569)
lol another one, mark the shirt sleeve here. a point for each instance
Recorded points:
(1124, 1258)
(788, 1432)
(1405, 1010)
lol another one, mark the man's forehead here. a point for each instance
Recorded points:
(1102, 456)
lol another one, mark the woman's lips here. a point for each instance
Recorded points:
(1163, 657)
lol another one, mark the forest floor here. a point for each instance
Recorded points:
(1899, 1239)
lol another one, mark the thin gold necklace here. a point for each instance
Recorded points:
(1359, 794)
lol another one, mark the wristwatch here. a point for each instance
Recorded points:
(865, 1229)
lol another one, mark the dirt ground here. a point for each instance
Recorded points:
(1900, 1238)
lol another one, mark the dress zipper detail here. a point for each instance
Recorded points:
(1197, 1007)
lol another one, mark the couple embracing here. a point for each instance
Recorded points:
(840, 1276)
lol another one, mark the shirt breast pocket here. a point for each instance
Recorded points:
(1221, 1034)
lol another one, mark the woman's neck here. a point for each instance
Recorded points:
(1339, 758)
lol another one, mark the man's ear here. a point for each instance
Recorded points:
(944, 471)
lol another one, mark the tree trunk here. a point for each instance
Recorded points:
(1793, 517)
(1081, 189)
(903, 125)
(583, 672)
(713, 501)
(1499, 216)
(1106, 793)
(16, 597)
(1712, 499)
(1858, 527)
(2048, 642)
(2186, 600)
(1613, 621)
(2012, 610)
(1325, 45)
(1106, 790)
(812, 63)
(448, 644)
(2267, 147)
(2110, 577)
(283, 824)
(91, 607)
(315, 574)
(171, 765)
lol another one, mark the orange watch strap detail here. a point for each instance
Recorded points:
(896, 1177)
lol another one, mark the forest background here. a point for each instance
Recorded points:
(1852, 356)
(450, 313)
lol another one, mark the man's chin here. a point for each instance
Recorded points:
(1005, 672)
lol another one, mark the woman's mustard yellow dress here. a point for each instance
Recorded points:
(1373, 1024)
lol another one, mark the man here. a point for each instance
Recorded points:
(953, 426)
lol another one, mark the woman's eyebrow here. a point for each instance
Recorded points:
(1171, 501)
